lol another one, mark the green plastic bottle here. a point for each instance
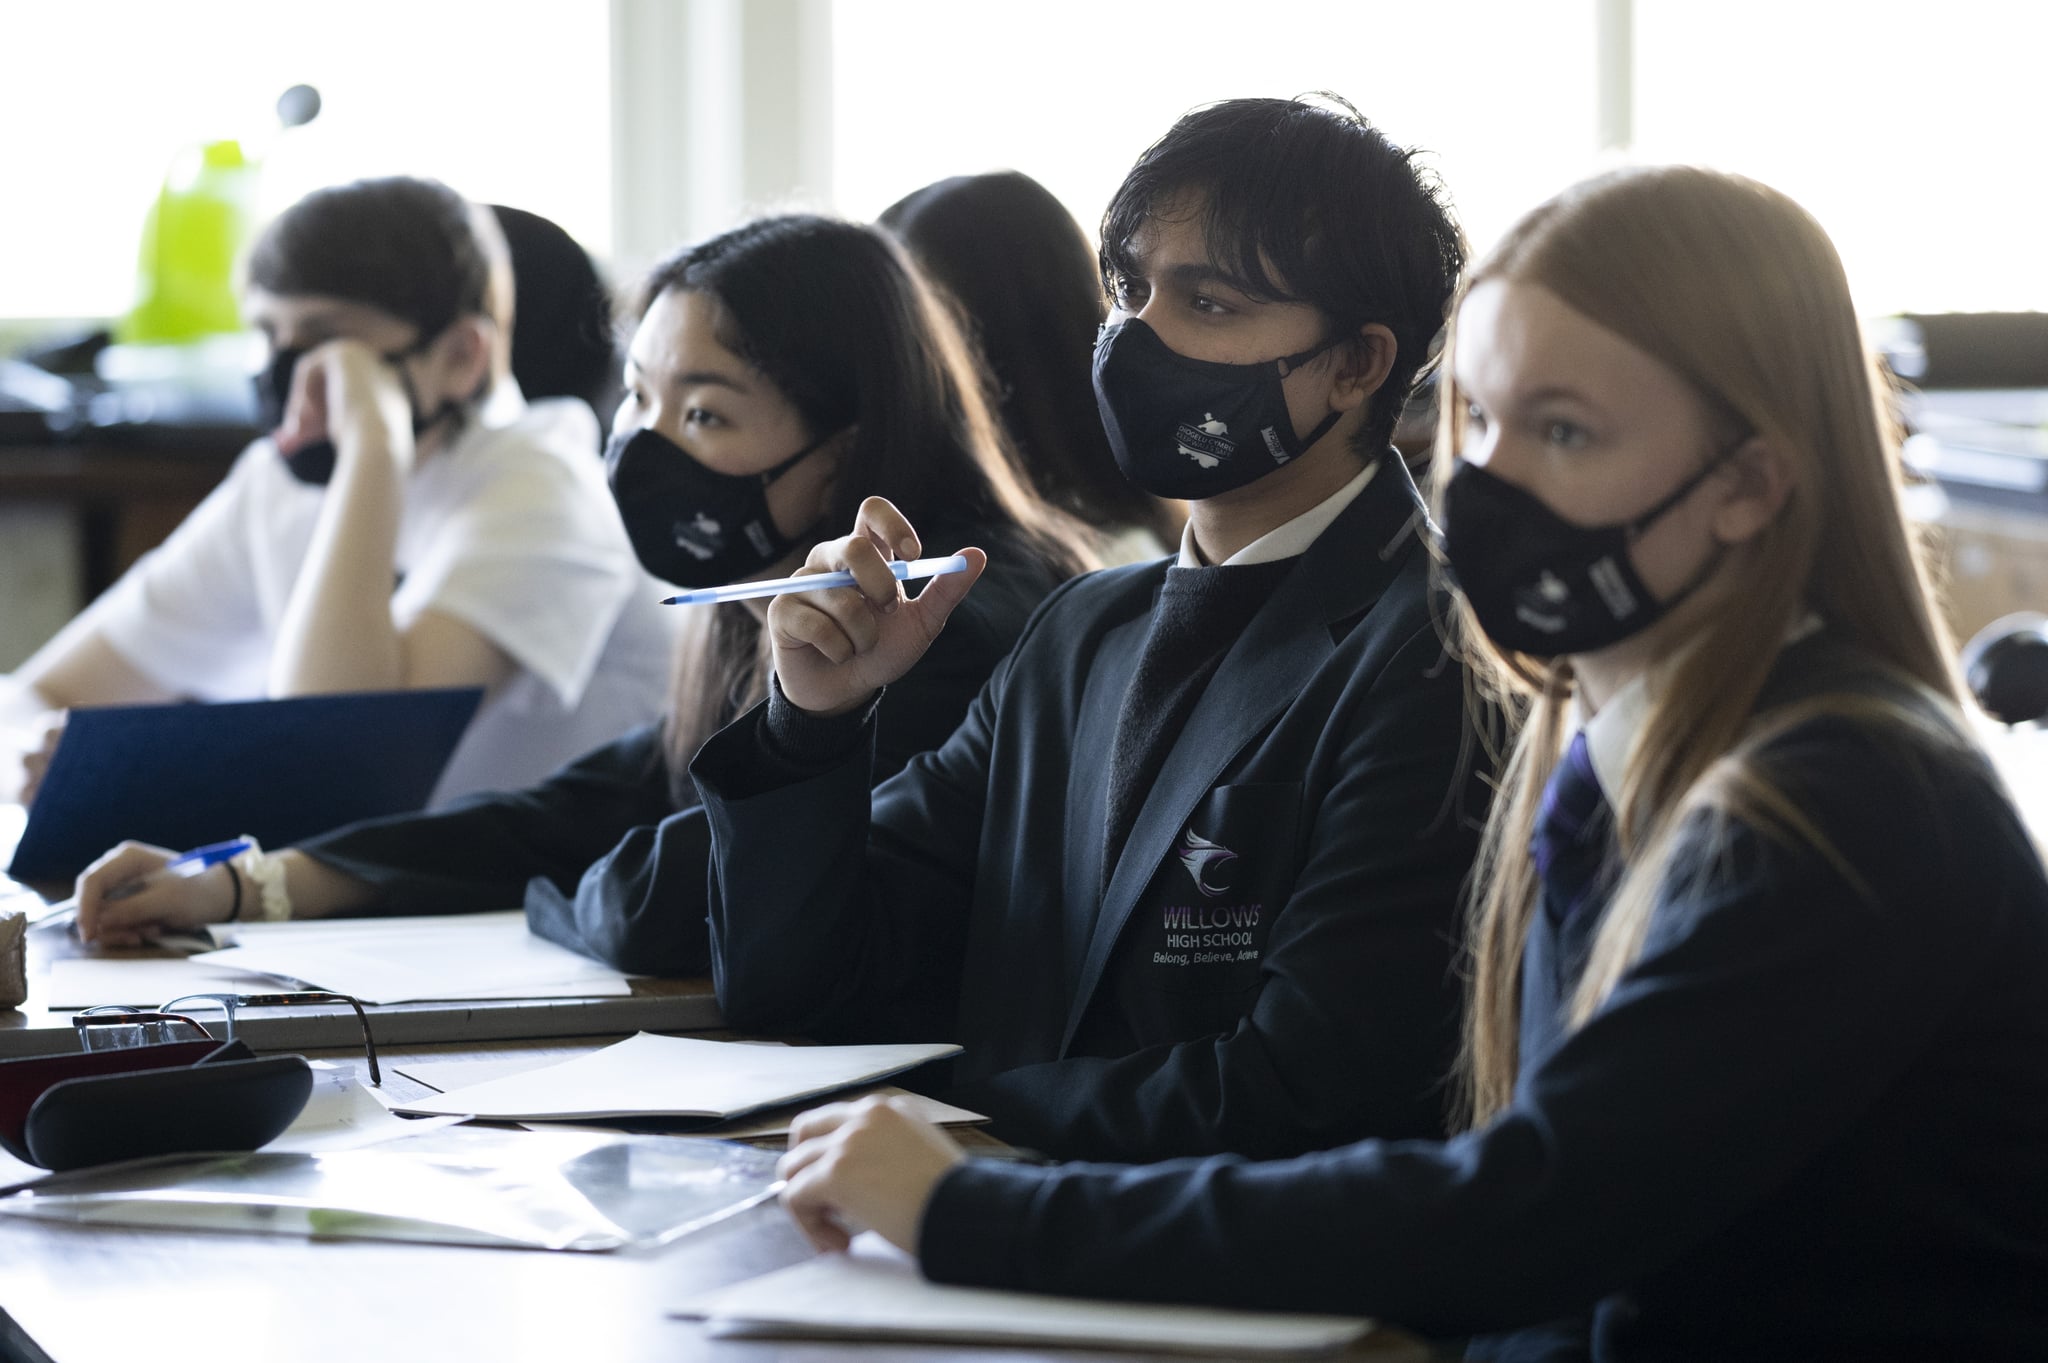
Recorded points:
(194, 234)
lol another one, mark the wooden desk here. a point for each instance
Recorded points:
(653, 1006)
(77, 1294)
(126, 496)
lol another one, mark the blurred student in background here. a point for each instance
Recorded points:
(778, 374)
(1029, 290)
(409, 520)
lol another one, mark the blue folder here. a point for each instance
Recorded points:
(279, 770)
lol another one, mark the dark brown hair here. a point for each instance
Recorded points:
(1028, 289)
(406, 246)
(832, 315)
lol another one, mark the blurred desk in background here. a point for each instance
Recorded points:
(75, 514)
(125, 496)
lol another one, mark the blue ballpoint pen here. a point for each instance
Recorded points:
(904, 570)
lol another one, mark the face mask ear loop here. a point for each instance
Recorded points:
(1290, 363)
(1678, 494)
(771, 476)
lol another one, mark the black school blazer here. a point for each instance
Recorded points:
(964, 900)
(605, 859)
(1810, 1123)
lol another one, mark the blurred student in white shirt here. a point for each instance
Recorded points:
(409, 521)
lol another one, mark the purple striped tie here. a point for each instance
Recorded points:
(1569, 845)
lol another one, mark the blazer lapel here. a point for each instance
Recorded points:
(1339, 576)
(1087, 791)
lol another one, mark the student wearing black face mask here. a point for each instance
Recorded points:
(1756, 1060)
(776, 374)
(408, 521)
(1186, 880)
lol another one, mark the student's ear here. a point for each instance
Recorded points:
(1362, 366)
(1756, 484)
(465, 353)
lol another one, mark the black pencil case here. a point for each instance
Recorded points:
(94, 1107)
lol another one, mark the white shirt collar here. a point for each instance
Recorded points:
(1611, 732)
(502, 405)
(1288, 539)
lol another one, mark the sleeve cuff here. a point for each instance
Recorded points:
(972, 1228)
(801, 741)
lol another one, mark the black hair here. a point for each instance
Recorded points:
(1309, 203)
(562, 339)
(1026, 283)
(406, 246)
(832, 314)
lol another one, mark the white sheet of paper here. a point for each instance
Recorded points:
(87, 981)
(876, 1292)
(445, 1076)
(674, 1076)
(344, 1114)
(402, 960)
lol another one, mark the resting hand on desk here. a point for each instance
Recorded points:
(865, 1165)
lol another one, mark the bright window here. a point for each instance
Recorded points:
(1914, 132)
(1500, 92)
(506, 100)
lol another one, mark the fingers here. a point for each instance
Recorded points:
(808, 1201)
(883, 526)
(128, 862)
(805, 623)
(819, 1121)
(941, 594)
(844, 622)
(811, 1168)
(865, 1165)
(305, 408)
(35, 762)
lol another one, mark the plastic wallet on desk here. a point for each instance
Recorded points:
(463, 1185)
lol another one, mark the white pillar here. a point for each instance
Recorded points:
(1615, 72)
(720, 109)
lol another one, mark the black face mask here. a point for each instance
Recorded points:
(695, 526)
(1543, 586)
(1189, 428)
(313, 462)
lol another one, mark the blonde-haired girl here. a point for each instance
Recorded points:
(1757, 1054)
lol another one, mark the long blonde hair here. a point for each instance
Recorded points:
(1735, 288)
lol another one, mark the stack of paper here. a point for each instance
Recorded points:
(670, 1076)
(143, 981)
(400, 960)
(876, 1292)
(342, 1114)
(445, 1076)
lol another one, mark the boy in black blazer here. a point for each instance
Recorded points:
(1186, 879)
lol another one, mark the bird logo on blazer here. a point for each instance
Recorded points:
(1205, 862)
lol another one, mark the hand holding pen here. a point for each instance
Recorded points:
(137, 892)
(835, 648)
